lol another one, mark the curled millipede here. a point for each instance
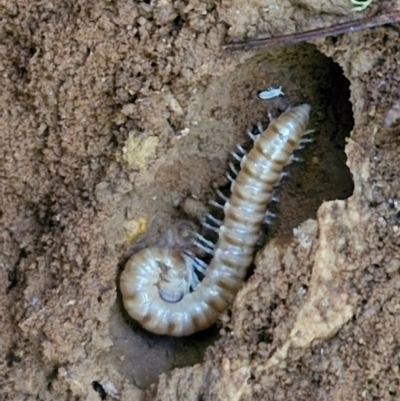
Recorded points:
(160, 288)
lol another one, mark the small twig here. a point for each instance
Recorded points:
(334, 30)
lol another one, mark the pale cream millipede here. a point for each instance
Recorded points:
(159, 286)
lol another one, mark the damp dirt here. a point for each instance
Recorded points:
(117, 122)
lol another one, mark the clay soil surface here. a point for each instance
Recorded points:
(117, 121)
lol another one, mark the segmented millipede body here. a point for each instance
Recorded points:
(159, 286)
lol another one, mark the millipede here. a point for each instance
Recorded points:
(175, 292)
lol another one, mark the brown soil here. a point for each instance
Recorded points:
(117, 121)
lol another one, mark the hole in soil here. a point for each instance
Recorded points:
(305, 75)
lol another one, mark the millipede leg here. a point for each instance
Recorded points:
(204, 248)
(306, 140)
(200, 265)
(251, 135)
(236, 156)
(240, 149)
(221, 195)
(260, 128)
(210, 227)
(208, 243)
(229, 177)
(213, 219)
(294, 158)
(232, 167)
(216, 204)
(275, 198)
(269, 216)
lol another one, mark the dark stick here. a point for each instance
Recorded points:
(334, 30)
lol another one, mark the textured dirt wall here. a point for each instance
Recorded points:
(117, 119)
